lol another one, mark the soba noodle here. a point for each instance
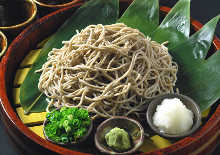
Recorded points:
(110, 70)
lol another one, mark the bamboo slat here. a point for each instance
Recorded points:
(33, 118)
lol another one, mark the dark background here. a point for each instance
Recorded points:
(201, 10)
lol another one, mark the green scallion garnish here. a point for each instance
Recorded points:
(67, 124)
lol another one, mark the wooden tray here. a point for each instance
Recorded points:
(26, 130)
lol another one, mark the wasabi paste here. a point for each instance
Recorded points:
(118, 139)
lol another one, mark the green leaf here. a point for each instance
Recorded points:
(199, 77)
(142, 15)
(175, 27)
(203, 39)
(92, 12)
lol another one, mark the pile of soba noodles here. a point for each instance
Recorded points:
(109, 70)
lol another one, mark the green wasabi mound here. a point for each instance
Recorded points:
(118, 139)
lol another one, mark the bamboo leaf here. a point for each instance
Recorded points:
(92, 12)
(175, 27)
(203, 39)
(199, 77)
(142, 15)
(195, 49)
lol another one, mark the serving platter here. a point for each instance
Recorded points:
(16, 63)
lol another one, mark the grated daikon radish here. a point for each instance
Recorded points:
(173, 117)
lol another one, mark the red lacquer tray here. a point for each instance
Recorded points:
(201, 142)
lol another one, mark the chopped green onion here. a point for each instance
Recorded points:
(67, 124)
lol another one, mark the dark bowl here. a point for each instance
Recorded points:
(55, 3)
(3, 43)
(188, 102)
(25, 14)
(73, 142)
(47, 6)
(134, 129)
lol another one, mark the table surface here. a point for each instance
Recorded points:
(201, 10)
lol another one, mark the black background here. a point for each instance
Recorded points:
(201, 10)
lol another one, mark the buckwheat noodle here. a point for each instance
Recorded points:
(109, 70)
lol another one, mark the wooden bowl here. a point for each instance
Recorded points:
(203, 141)
(55, 3)
(47, 6)
(24, 12)
(3, 43)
